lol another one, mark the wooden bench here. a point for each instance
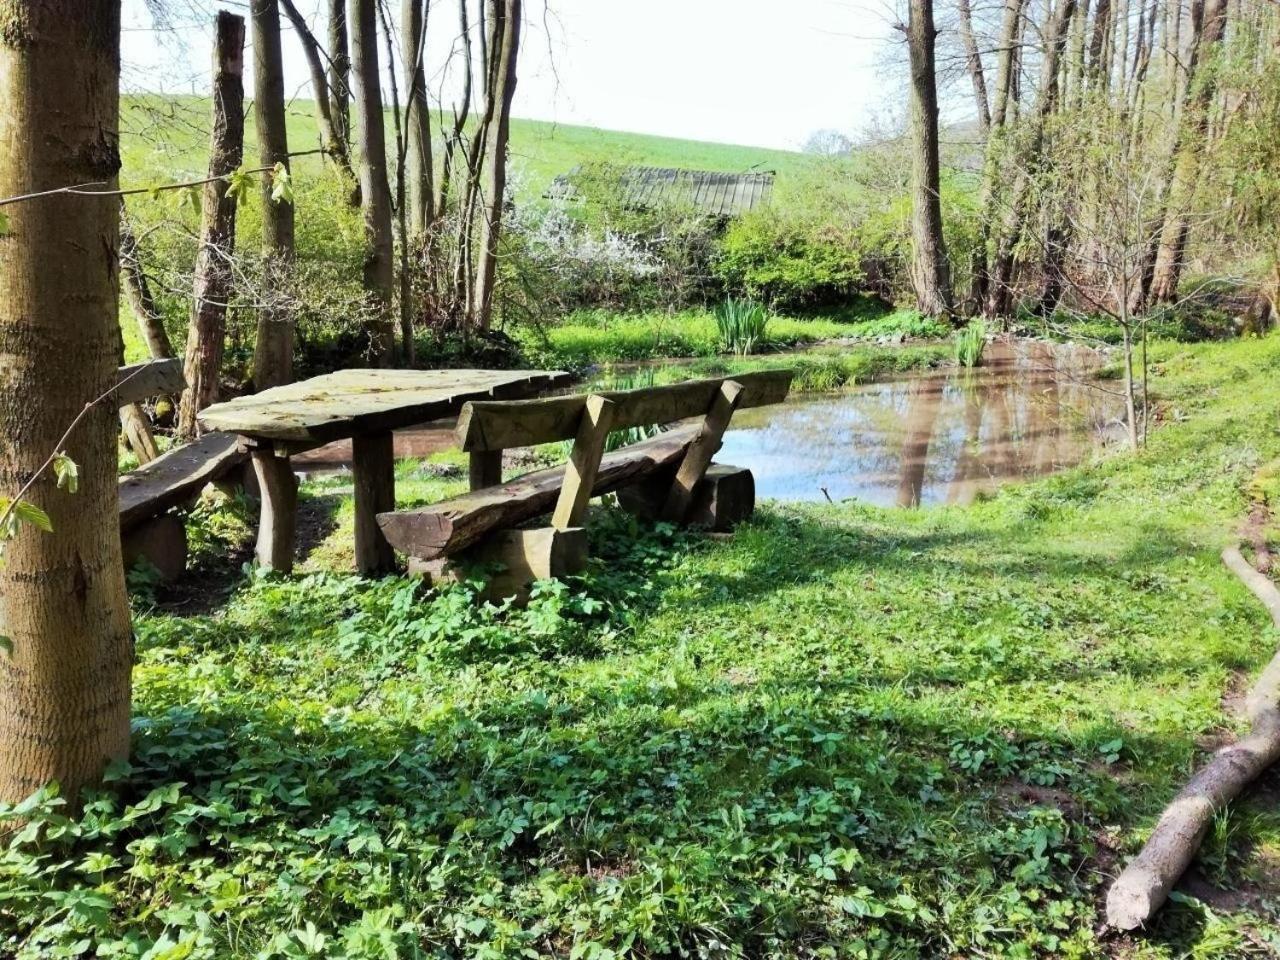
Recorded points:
(164, 481)
(669, 476)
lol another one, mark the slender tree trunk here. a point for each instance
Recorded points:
(973, 60)
(339, 85)
(502, 49)
(206, 334)
(273, 352)
(375, 191)
(332, 139)
(138, 292)
(418, 160)
(65, 682)
(1192, 135)
(407, 346)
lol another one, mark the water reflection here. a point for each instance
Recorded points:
(938, 437)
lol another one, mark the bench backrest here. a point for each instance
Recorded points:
(153, 378)
(488, 425)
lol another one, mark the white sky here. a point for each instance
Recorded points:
(761, 72)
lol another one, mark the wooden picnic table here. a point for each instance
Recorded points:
(365, 406)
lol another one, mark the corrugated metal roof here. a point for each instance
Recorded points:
(712, 192)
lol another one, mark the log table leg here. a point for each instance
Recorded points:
(373, 464)
(279, 510)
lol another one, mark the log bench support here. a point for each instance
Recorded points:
(722, 499)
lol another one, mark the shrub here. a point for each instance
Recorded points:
(742, 324)
(787, 264)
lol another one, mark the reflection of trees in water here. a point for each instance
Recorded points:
(923, 403)
(937, 435)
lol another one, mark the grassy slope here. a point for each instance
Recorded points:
(168, 136)
(847, 732)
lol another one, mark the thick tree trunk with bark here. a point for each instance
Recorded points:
(502, 48)
(930, 272)
(65, 684)
(418, 161)
(137, 291)
(206, 333)
(273, 352)
(375, 191)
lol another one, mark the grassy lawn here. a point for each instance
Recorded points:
(847, 732)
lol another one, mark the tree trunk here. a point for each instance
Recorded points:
(502, 49)
(332, 140)
(339, 85)
(973, 60)
(930, 272)
(375, 191)
(407, 346)
(1192, 134)
(418, 160)
(273, 352)
(206, 334)
(65, 684)
(138, 292)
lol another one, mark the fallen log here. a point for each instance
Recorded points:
(1144, 885)
(445, 528)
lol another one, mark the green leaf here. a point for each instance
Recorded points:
(30, 513)
(239, 185)
(68, 474)
(281, 184)
(4, 224)
(189, 197)
(6, 644)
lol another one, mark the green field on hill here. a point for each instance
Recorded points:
(166, 138)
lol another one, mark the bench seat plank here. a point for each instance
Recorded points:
(176, 477)
(445, 528)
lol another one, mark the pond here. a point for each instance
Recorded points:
(941, 436)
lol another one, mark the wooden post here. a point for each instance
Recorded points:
(138, 432)
(278, 512)
(485, 469)
(584, 461)
(698, 457)
(373, 464)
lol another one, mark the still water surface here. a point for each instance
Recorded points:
(941, 436)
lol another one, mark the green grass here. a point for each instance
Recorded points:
(590, 337)
(847, 732)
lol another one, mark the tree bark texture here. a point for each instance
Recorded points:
(206, 333)
(339, 85)
(500, 86)
(65, 684)
(1192, 136)
(375, 190)
(973, 60)
(930, 272)
(273, 352)
(418, 160)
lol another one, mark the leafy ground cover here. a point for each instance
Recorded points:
(847, 732)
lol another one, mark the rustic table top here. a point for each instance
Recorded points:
(355, 402)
